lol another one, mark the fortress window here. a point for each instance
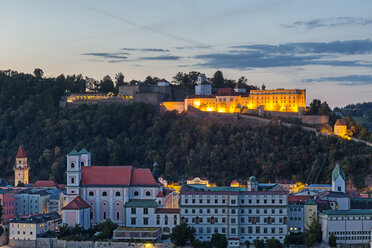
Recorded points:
(104, 193)
(117, 193)
(148, 193)
(72, 165)
(135, 193)
(91, 193)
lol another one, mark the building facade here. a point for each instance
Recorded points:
(203, 87)
(236, 212)
(349, 226)
(30, 201)
(7, 202)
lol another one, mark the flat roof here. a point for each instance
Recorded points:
(348, 212)
(138, 229)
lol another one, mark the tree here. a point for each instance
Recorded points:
(263, 87)
(258, 243)
(219, 240)
(273, 243)
(218, 81)
(38, 73)
(287, 241)
(247, 243)
(181, 234)
(107, 228)
(150, 80)
(332, 242)
(315, 228)
(119, 81)
(107, 85)
(314, 106)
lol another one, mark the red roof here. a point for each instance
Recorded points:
(160, 194)
(226, 92)
(340, 122)
(77, 203)
(21, 153)
(44, 184)
(167, 211)
(142, 177)
(116, 175)
(298, 198)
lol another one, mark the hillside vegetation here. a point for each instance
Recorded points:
(137, 135)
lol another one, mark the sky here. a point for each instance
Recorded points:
(322, 46)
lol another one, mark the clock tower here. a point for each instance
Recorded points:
(21, 167)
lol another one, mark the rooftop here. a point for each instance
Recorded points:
(21, 153)
(138, 229)
(167, 211)
(141, 203)
(348, 212)
(340, 122)
(76, 204)
(226, 188)
(41, 183)
(38, 218)
(338, 171)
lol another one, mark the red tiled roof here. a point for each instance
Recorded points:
(116, 175)
(226, 92)
(76, 203)
(340, 122)
(105, 175)
(167, 211)
(298, 198)
(160, 194)
(142, 177)
(44, 184)
(21, 153)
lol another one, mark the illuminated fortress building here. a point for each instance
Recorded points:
(237, 100)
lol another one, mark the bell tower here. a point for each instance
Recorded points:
(21, 167)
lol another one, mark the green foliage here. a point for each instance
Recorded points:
(106, 229)
(319, 108)
(332, 240)
(20, 184)
(219, 240)
(196, 243)
(314, 231)
(273, 243)
(218, 80)
(76, 233)
(294, 238)
(1, 230)
(247, 243)
(259, 243)
(181, 234)
(137, 135)
(107, 85)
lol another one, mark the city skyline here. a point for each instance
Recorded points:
(323, 47)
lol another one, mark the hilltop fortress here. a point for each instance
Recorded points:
(238, 100)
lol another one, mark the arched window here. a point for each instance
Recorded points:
(135, 193)
(72, 165)
(72, 180)
(117, 215)
(91, 215)
(148, 193)
(82, 163)
(104, 193)
(91, 193)
(117, 193)
(104, 215)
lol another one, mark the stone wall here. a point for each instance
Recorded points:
(315, 119)
(22, 243)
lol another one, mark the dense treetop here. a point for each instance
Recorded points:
(136, 134)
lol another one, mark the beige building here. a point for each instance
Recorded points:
(340, 128)
(28, 228)
(310, 210)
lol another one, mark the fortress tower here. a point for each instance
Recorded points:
(21, 167)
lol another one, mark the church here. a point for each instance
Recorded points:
(127, 196)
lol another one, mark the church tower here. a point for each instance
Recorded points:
(21, 167)
(338, 179)
(73, 174)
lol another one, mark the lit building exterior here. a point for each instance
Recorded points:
(28, 228)
(236, 212)
(349, 226)
(21, 167)
(203, 87)
(296, 218)
(340, 128)
(31, 201)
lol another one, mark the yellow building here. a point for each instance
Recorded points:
(340, 128)
(310, 209)
(21, 167)
(229, 100)
(198, 180)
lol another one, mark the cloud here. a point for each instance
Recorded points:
(145, 49)
(289, 54)
(349, 80)
(166, 57)
(193, 47)
(330, 22)
(119, 55)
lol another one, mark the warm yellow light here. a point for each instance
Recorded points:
(209, 109)
(197, 103)
(148, 245)
(220, 110)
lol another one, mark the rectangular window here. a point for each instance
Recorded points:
(242, 230)
(233, 230)
(200, 229)
(133, 221)
(257, 229)
(208, 230)
(145, 221)
(186, 201)
(233, 220)
(265, 230)
(145, 211)
(272, 230)
(233, 201)
(133, 210)
(223, 230)
(250, 229)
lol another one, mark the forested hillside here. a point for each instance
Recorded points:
(137, 135)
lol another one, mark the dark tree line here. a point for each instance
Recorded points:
(136, 134)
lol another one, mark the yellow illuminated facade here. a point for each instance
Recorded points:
(280, 100)
(340, 128)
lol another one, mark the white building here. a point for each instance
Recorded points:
(239, 214)
(349, 226)
(203, 87)
(31, 201)
(338, 179)
(28, 228)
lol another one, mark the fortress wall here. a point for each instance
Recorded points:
(315, 119)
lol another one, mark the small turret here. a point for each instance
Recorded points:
(252, 184)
